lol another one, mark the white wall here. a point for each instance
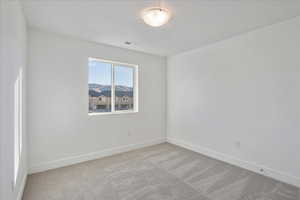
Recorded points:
(60, 130)
(13, 58)
(244, 90)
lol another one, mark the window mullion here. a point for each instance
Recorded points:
(113, 88)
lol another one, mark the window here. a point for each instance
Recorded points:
(112, 87)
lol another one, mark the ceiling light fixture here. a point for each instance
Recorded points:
(156, 16)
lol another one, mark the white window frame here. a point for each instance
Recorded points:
(135, 87)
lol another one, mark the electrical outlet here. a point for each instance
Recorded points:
(262, 171)
(237, 144)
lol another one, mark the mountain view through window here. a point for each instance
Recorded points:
(111, 87)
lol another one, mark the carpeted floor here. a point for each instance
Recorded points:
(160, 172)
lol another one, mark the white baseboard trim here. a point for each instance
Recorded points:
(22, 187)
(90, 156)
(237, 162)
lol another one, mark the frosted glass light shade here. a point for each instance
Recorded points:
(156, 16)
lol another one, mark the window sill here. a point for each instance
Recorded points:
(113, 113)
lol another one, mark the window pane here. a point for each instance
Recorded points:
(99, 86)
(124, 88)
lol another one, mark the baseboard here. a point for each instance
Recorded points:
(90, 156)
(22, 187)
(237, 162)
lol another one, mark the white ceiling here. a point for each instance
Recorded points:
(195, 23)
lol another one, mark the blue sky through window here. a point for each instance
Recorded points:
(124, 76)
(100, 73)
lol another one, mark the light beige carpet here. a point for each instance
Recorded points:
(160, 172)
